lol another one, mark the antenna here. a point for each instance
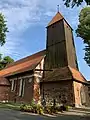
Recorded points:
(57, 8)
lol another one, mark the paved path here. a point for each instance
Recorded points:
(7, 114)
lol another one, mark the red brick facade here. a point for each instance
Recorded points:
(27, 95)
(4, 93)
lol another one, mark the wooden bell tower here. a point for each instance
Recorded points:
(60, 48)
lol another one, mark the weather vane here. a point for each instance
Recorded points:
(58, 8)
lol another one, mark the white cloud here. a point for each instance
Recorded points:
(21, 14)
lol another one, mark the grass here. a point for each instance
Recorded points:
(14, 106)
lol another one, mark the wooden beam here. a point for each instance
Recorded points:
(43, 70)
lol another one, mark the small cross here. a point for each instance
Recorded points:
(57, 8)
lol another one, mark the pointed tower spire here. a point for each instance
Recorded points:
(57, 8)
(56, 18)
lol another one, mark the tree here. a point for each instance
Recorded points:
(72, 3)
(5, 61)
(8, 60)
(3, 29)
(83, 31)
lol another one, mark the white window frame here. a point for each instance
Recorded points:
(12, 85)
(21, 87)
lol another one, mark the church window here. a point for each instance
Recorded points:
(21, 88)
(12, 85)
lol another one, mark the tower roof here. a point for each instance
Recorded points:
(56, 18)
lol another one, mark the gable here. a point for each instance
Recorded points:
(26, 64)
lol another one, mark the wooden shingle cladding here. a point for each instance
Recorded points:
(60, 48)
(70, 47)
(56, 47)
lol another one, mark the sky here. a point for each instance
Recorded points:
(27, 21)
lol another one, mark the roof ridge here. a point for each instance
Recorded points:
(25, 59)
(56, 18)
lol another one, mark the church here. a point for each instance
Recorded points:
(51, 74)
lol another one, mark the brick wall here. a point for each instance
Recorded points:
(4, 93)
(28, 92)
(81, 94)
(36, 90)
(62, 92)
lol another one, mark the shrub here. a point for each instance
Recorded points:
(26, 108)
(40, 109)
(63, 108)
(34, 108)
(50, 109)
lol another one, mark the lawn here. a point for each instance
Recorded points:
(14, 106)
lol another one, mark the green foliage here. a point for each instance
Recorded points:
(87, 54)
(5, 61)
(37, 108)
(50, 109)
(10, 105)
(3, 29)
(8, 60)
(72, 3)
(34, 108)
(83, 31)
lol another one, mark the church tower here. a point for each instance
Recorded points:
(60, 48)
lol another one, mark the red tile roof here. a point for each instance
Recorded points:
(56, 18)
(65, 73)
(23, 65)
(30, 62)
(77, 75)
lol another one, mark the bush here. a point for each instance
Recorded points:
(37, 108)
(32, 108)
(63, 108)
(26, 108)
(50, 109)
